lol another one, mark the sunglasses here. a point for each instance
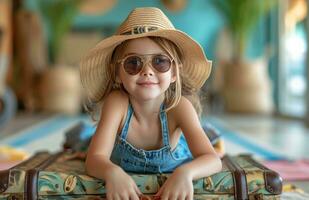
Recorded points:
(134, 63)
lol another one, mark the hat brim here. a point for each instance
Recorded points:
(196, 66)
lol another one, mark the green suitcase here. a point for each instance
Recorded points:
(62, 176)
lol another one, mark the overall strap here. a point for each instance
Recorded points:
(164, 125)
(124, 131)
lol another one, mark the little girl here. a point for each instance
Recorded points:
(145, 80)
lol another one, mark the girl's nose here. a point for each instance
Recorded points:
(147, 70)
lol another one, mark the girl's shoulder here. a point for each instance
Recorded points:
(118, 95)
(184, 105)
(117, 98)
(184, 115)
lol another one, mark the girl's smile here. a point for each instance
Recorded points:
(147, 83)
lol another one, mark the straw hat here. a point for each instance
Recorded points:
(143, 22)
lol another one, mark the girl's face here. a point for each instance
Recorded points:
(147, 82)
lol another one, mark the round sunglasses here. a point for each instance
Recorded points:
(134, 63)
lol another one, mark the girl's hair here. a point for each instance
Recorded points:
(181, 87)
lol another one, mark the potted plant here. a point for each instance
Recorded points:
(58, 16)
(60, 89)
(246, 86)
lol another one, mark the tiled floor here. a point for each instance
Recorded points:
(264, 137)
(288, 138)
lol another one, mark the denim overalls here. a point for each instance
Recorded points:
(160, 160)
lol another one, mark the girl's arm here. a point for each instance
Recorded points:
(102, 142)
(205, 160)
(98, 164)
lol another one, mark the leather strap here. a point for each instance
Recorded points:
(239, 175)
(31, 185)
(273, 181)
(4, 175)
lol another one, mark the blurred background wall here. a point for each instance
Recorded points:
(197, 18)
(258, 48)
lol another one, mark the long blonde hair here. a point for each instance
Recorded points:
(181, 87)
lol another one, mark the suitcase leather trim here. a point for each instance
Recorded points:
(4, 175)
(239, 175)
(272, 179)
(4, 180)
(32, 176)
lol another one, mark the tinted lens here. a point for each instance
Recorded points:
(161, 63)
(133, 65)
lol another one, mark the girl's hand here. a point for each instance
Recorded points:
(177, 186)
(120, 186)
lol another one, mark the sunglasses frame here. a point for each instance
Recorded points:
(145, 60)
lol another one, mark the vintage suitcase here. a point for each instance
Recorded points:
(62, 176)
